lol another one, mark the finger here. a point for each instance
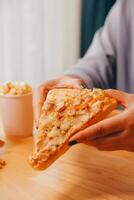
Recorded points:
(38, 100)
(123, 98)
(113, 147)
(110, 143)
(114, 138)
(71, 83)
(100, 129)
(71, 86)
(40, 94)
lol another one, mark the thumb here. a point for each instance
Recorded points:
(38, 100)
(100, 129)
(71, 83)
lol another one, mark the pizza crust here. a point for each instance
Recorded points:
(100, 104)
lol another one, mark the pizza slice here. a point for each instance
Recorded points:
(65, 112)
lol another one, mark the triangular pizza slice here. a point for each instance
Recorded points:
(65, 112)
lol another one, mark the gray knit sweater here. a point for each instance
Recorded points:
(109, 61)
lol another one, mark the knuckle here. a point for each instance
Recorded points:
(100, 132)
(130, 99)
(85, 136)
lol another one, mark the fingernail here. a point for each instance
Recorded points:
(73, 142)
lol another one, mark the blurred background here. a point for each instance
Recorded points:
(39, 39)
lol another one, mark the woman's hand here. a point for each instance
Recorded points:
(115, 133)
(41, 92)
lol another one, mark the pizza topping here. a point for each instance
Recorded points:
(47, 120)
(60, 106)
(96, 107)
(84, 117)
(54, 132)
(98, 94)
(65, 125)
(46, 106)
(57, 140)
(64, 113)
(74, 114)
(77, 101)
(71, 112)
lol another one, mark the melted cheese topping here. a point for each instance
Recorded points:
(64, 112)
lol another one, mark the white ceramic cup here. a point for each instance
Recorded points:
(17, 115)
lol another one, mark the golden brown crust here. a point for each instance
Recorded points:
(52, 158)
(37, 162)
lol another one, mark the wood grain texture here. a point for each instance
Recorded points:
(82, 173)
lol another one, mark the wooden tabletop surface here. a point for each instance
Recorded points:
(82, 173)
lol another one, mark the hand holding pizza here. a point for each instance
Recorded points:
(65, 112)
(115, 133)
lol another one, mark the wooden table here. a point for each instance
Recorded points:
(82, 173)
